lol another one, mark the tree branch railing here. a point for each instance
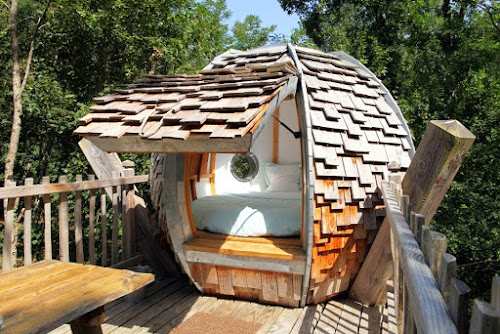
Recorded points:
(79, 221)
(429, 298)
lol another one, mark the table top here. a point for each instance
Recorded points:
(44, 295)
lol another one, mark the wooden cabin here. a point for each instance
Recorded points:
(267, 167)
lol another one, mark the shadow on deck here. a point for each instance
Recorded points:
(170, 302)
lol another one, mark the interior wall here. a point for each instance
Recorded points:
(288, 146)
(288, 153)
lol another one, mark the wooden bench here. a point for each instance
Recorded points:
(47, 294)
(283, 255)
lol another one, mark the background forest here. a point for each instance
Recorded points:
(439, 58)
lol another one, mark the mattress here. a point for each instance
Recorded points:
(259, 214)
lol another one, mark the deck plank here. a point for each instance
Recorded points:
(170, 302)
(329, 318)
(285, 321)
(308, 319)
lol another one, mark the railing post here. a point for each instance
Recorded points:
(63, 223)
(114, 231)
(8, 260)
(92, 199)
(47, 219)
(78, 223)
(104, 230)
(27, 225)
(128, 213)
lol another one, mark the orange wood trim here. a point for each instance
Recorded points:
(276, 132)
(187, 192)
(194, 196)
(288, 241)
(254, 123)
(212, 173)
(203, 165)
(270, 251)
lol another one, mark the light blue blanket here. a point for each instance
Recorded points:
(243, 215)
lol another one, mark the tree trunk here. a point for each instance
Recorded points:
(16, 92)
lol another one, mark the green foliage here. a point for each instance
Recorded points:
(441, 60)
(84, 49)
(241, 166)
(249, 34)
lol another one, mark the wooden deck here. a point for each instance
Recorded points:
(170, 302)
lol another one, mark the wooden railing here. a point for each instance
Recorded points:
(78, 219)
(429, 298)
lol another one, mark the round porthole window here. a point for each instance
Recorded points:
(244, 167)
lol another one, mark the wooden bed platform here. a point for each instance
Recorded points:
(170, 302)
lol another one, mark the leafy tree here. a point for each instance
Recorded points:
(18, 84)
(250, 34)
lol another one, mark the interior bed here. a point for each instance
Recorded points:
(254, 214)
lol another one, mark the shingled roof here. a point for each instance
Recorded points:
(216, 103)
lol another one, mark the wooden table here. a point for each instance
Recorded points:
(47, 294)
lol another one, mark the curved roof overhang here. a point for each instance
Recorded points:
(216, 110)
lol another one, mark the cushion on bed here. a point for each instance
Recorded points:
(250, 215)
(282, 178)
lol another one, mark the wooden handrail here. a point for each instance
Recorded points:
(125, 209)
(427, 304)
(42, 189)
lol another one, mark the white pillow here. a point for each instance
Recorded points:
(283, 178)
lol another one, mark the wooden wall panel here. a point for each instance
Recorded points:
(262, 286)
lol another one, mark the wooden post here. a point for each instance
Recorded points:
(8, 262)
(47, 220)
(495, 293)
(129, 201)
(276, 132)
(103, 164)
(436, 162)
(92, 199)
(212, 173)
(447, 271)
(484, 320)
(438, 157)
(104, 230)
(63, 223)
(114, 232)
(372, 275)
(434, 245)
(78, 223)
(89, 323)
(458, 303)
(125, 225)
(27, 225)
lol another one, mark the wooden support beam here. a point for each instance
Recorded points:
(103, 164)
(212, 173)
(370, 282)
(436, 162)
(440, 154)
(149, 237)
(276, 134)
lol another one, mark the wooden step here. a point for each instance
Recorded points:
(246, 247)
